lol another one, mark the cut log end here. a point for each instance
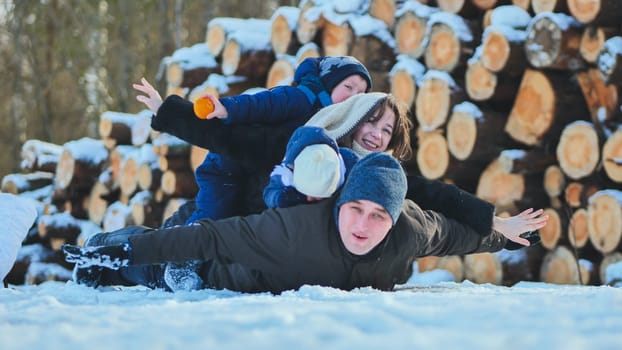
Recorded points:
(499, 187)
(230, 57)
(480, 82)
(280, 35)
(577, 229)
(281, 73)
(461, 135)
(483, 268)
(404, 87)
(432, 103)
(410, 33)
(444, 47)
(612, 156)
(552, 232)
(585, 11)
(554, 181)
(433, 156)
(592, 40)
(495, 51)
(605, 221)
(559, 267)
(578, 150)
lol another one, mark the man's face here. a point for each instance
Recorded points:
(348, 87)
(363, 225)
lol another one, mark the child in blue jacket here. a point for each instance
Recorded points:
(318, 82)
(314, 168)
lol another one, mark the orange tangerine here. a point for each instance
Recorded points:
(202, 107)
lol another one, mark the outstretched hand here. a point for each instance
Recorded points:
(112, 257)
(513, 227)
(151, 97)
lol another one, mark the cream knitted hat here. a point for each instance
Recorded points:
(317, 171)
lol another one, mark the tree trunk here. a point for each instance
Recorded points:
(612, 156)
(602, 100)
(553, 41)
(282, 30)
(438, 94)
(40, 156)
(554, 233)
(527, 162)
(560, 266)
(578, 150)
(383, 10)
(554, 181)
(117, 216)
(281, 72)
(80, 164)
(336, 39)
(219, 29)
(503, 50)
(610, 61)
(410, 30)
(403, 78)
(545, 103)
(474, 135)
(146, 210)
(19, 183)
(249, 55)
(450, 43)
(604, 214)
(483, 85)
(179, 183)
(149, 176)
(539, 6)
(483, 268)
(593, 40)
(309, 26)
(597, 12)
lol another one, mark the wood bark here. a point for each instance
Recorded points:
(602, 100)
(178, 75)
(466, 8)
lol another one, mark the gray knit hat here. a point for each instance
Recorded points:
(377, 177)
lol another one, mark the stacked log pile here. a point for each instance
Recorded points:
(515, 101)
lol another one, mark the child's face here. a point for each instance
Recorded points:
(375, 134)
(348, 87)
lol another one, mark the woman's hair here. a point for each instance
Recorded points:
(399, 144)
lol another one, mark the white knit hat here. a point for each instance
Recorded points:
(317, 171)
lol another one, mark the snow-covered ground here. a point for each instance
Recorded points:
(426, 315)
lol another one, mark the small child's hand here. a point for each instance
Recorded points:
(152, 100)
(219, 110)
